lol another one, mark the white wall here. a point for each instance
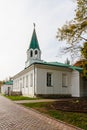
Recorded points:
(56, 88)
(19, 84)
(75, 89)
(4, 89)
(39, 85)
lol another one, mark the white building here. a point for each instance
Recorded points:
(46, 78)
(7, 87)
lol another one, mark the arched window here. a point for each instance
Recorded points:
(31, 53)
(36, 52)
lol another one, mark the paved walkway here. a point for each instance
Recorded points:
(16, 117)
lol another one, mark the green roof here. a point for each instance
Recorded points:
(66, 65)
(58, 64)
(9, 82)
(34, 42)
(76, 68)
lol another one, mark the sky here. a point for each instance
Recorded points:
(16, 27)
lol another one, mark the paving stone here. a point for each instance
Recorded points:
(17, 117)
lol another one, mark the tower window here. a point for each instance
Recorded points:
(35, 52)
(31, 53)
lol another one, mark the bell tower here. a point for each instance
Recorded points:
(33, 52)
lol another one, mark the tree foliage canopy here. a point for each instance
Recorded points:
(74, 32)
(84, 50)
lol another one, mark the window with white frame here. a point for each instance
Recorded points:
(27, 81)
(49, 79)
(64, 80)
(31, 80)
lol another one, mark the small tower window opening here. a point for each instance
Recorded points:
(35, 52)
(31, 53)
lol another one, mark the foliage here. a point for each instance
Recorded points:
(74, 32)
(84, 64)
(84, 50)
(77, 119)
(1, 83)
(84, 73)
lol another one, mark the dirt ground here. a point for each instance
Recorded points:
(73, 105)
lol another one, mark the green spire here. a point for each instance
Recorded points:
(34, 42)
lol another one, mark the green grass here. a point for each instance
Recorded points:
(17, 98)
(77, 119)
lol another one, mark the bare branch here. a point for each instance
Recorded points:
(83, 38)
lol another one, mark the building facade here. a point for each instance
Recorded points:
(40, 78)
(7, 87)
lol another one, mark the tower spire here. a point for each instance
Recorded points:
(34, 25)
(34, 41)
(33, 52)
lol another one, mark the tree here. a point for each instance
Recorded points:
(74, 32)
(84, 50)
(1, 83)
(84, 63)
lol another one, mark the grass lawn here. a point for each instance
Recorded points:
(77, 119)
(16, 98)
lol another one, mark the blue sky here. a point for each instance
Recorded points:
(16, 27)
